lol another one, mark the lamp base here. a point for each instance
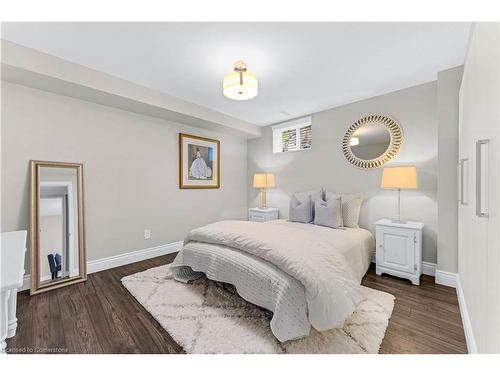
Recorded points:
(398, 220)
(263, 199)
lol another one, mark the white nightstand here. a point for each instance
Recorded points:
(399, 249)
(263, 214)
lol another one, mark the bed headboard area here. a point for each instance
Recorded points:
(325, 165)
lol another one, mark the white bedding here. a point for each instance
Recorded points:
(328, 263)
(256, 280)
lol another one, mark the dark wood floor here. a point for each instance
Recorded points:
(100, 316)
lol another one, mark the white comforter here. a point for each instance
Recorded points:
(313, 255)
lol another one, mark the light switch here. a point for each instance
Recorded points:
(147, 234)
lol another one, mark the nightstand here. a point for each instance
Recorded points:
(399, 249)
(263, 214)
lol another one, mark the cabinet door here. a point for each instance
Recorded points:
(478, 122)
(398, 249)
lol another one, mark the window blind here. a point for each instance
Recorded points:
(305, 137)
(295, 135)
(289, 140)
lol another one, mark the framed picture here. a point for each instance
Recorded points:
(199, 162)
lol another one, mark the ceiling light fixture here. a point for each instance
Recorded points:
(240, 85)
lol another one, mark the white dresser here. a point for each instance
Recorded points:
(263, 214)
(399, 249)
(12, 254)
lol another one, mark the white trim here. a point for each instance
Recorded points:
(429, 268)
(26, 283)
(132, 257)
(464, 313)
(71, 238)
(446, 278)
(122, 259)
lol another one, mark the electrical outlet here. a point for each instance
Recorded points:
(147, 234)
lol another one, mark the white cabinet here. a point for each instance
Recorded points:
(399, 249)
(13, 249)
(479, 186)
(263, 214)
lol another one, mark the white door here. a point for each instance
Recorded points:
(473, 228)
(478, 186)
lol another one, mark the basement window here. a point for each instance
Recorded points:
(293, 135)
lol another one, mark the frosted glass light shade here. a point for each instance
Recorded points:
(399, 178)
(263, 180)
(233, 88)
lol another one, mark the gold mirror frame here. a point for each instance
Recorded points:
(395, 132)
(34, 225)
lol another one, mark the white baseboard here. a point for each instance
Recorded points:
(429, 268)
(132, 257)
(446, 278)
(122, 259)
(469, 335)
(26, 283)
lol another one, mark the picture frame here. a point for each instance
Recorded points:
(199, 162)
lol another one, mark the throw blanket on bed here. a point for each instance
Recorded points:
(332, 289)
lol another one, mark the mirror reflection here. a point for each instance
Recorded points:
(370, 141)
(58, 234)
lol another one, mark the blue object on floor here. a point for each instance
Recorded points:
(55, 261)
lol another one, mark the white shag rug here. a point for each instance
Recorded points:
(204, 317)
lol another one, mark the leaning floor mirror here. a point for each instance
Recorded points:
(57, 234)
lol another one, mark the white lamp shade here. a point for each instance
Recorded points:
(263, 180)
(399, 178)
(234, 88)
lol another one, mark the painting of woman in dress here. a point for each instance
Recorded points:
(199, 166)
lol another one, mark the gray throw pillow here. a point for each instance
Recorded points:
(301, 208)
(315, 195)
(328, 212)
(331, 195)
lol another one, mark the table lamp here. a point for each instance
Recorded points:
(263, 181)
(404, 177)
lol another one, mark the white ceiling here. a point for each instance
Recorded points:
(302, 67)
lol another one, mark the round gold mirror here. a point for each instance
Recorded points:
(372, 141)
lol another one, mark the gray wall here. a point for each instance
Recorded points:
(448, 87)
(324, 165)
(130, 170)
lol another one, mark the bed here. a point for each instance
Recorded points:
(307, 275)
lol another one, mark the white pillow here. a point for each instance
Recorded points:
(351, 206)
